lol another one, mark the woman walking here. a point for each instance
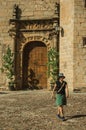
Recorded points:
(62, 94)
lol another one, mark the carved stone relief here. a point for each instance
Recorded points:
(40, 26)
(46, 41)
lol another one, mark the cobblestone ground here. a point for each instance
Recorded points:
(35, 110)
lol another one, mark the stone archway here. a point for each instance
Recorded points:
(32, 32)
(34, 67)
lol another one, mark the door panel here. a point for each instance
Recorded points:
(37, 68)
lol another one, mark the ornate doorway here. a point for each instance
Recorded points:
(33, 38)
(35, 65)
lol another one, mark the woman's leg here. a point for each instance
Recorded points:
(61, 111)
(58, 110)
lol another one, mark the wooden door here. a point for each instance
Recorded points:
(37, 68)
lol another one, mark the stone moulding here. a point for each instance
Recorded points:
(27, 31)
(35, 24)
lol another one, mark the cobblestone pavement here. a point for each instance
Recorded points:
(35, 110)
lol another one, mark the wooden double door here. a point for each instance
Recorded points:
(35, 65)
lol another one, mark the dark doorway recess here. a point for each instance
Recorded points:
(35, 65)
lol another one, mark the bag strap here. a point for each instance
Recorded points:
(61, 87)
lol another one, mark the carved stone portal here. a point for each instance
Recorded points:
(31, 42)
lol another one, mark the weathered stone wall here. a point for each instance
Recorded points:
(66, 42)
(79, 49)
(30, 9)
(72, 51)
(72, 19)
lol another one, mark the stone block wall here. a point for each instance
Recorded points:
(79, 48)
(66, 42)
(30, 9)
(72, 20)
(72, 50)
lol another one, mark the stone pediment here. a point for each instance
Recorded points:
(28, 25)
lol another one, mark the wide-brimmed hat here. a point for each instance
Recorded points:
(61, 75)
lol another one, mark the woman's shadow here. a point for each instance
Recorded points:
(75, 116)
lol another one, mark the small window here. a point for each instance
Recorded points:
(84, 41)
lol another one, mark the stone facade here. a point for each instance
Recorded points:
(72, 50)
(72, 20)
(79, 60)
(66, 42)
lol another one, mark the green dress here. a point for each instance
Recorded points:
(60, 96)
(60, 100)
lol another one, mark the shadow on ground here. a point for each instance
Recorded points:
(3, 93)
(75, 116)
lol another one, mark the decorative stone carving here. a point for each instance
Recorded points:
(27, 31)
(36, 38)
(39, 26)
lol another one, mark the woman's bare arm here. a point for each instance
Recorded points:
(67, 91)
(53, 92)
